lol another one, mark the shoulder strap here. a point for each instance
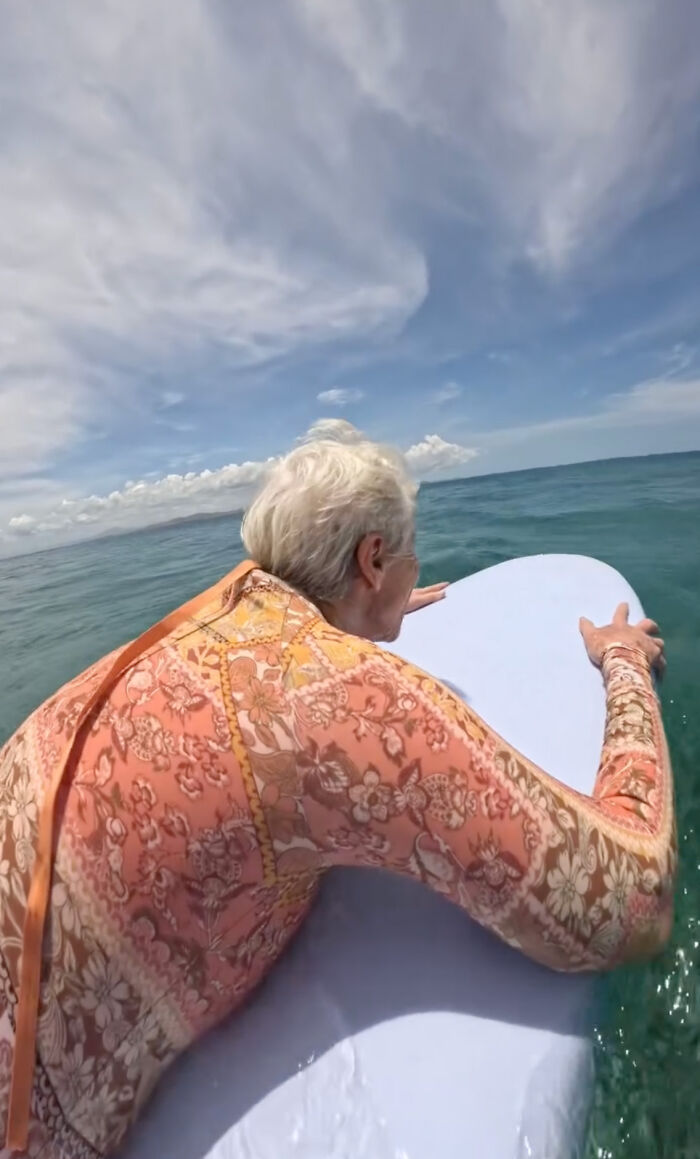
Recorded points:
(37, 902)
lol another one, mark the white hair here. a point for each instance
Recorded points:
(320, 500)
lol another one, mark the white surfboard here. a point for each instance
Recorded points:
(395, 1027)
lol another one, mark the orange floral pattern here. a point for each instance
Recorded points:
(229, 768)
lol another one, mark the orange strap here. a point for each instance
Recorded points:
(33, 934)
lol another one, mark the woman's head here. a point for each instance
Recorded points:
(335, 518)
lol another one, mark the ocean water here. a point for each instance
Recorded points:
(62, 609)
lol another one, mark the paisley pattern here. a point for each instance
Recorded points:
(232, 764)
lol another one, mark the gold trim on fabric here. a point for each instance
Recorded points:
(240, 752)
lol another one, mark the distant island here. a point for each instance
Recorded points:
(179, 521)
(198, 517)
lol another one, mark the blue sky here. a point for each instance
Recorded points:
(472, 230)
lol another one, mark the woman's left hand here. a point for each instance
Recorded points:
(421, 597)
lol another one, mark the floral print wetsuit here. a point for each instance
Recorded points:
(234, 762)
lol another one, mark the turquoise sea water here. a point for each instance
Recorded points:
(62, 609)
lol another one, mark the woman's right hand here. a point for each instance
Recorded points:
(642, 636)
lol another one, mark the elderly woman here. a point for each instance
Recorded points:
(165, 817)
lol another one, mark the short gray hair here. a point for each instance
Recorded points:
(320, 500)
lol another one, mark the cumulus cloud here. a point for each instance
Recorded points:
(340, 396)
(646, 406)
(434, 456)
(146, 502)
(142, 503)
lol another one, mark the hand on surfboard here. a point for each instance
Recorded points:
(643, 635)
(421, 597)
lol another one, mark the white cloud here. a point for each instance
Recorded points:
(570, 116)
(646, 406)
(447, 393)
(231, 185)
(141, 503)
(36, 414)
(167, 189)
(170, 398)
(433, 456)
(340, 396)
(146, 502)
(628, 422)
(680, 357)
(660, 400)
(22, 525)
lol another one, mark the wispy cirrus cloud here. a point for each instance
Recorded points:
(142, 223)
(170, 398)
(628, 422)
(447, 393)
(555, 108)
(340, 396)
(660, 399)
(680, 358)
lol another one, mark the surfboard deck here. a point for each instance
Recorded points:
(395, 1027)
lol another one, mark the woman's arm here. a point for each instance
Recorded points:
(423, 597)
(394, 770)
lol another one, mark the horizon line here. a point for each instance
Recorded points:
(120, 533)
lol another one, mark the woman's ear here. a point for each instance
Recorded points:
(371, 559)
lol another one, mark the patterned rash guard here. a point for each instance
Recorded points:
(229, 767)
